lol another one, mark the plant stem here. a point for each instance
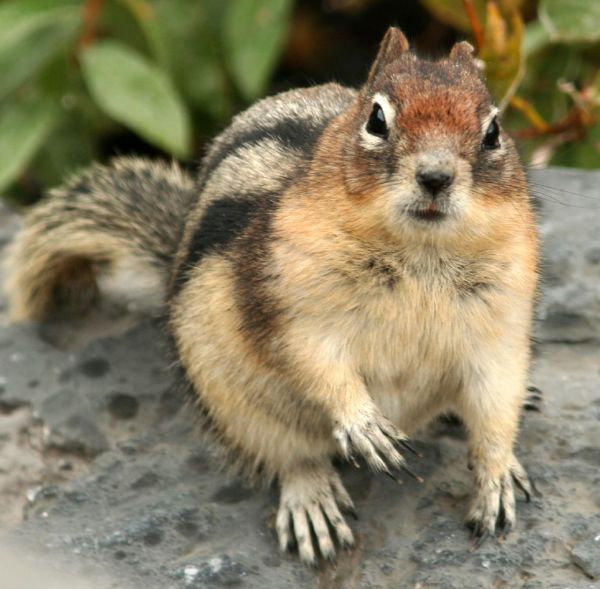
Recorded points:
(530, 113)
(92, 10)
(476, 26)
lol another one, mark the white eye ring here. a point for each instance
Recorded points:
(377, 125)
(368, 140)
(487, 121)
(386, 105)
(486, 125)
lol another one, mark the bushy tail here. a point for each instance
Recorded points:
(123, 218)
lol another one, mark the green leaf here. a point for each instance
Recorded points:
(68, 148)
(253, 36)
(31, 34)
(571, 20)
(118, 23)
(21, 18)
(192, 44)
(535, 39)
(138, 94)
(145, 15)
(24, 126)
(585, 153)
(452, 12)
(21, 61)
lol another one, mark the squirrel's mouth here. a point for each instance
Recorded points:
(430, 213)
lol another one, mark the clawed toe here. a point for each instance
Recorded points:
(493, 512)
(521, 479)
(479, 538)
(534, 400)
(310, 517)
(379, 444)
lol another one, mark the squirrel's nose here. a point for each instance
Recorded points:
(434, 181)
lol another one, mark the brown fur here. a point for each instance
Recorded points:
(322, 302)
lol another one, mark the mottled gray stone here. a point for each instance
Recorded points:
(153, 508)
(569, 215)
(586, 555)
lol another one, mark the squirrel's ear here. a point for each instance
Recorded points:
(463, 52)
(393, 45)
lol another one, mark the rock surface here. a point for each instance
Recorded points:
(106, 463)
(586, 554)
(569, 202)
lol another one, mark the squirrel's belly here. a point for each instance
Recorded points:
(417, 396)
(416, 386)
(416, 360)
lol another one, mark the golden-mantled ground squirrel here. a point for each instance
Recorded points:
(348, 265)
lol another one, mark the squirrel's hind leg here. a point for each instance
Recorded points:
(313, 498)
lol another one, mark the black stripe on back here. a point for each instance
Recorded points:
(222, 222)
(300, 134)
(227, 218)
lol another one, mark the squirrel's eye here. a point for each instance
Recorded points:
(376, 124)
(490, 140)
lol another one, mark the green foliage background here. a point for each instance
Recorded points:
(164, 75)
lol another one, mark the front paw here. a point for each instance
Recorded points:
(493, 508)
(375, 439)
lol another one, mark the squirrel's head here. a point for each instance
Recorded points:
(423, 139)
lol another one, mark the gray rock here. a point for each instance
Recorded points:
(586, 555)
(77, 434)
(569, 214)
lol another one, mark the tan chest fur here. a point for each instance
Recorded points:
(416, 323)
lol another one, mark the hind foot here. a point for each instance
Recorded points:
(311, 503)
(493, 509)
